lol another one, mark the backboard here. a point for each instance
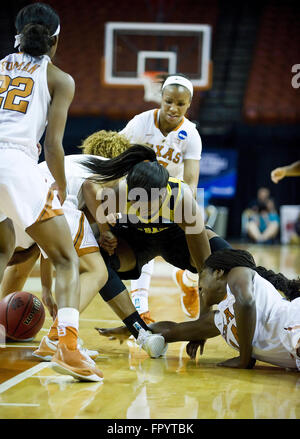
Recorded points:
(133, 48)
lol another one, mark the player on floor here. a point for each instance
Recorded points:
(77, 198)
(171, 225)
(252, 316)
(35, 94)
(292, 170)
(178, 147)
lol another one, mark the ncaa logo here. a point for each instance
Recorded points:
(182, 135)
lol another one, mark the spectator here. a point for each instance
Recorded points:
(295, 238)
(263, 195)
(263, 225)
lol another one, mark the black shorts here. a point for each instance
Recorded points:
(170, 244)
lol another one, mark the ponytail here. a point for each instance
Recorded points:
(35, 40)
(138, 163)
(227, 259)
(36, 24)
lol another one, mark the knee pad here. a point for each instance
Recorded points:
(114, 285)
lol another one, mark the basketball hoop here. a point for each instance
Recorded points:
(152, 81)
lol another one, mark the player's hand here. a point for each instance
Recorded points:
(50, 304)
(192, 348)
(108, 242)
(278, 174)
(237, 364)
(121, 333)
(61, 192)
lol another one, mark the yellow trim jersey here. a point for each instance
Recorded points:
(163, 218)
(183, 143)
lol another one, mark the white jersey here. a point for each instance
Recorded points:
(276, 333)
(82, 235)
(75, 173)
(184, 142)
(24, 102)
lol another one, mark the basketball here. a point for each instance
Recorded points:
(22, 314)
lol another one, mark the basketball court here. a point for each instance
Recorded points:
(172, 387)
(124, 60)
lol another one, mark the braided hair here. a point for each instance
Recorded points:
(227, 259)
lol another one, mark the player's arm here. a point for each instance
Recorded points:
(61, 88)
(191, 174)
(99, 211)
(240, 282)
(46, 269)
(292, 170)
(189, 218)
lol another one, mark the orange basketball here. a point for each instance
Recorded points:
(22, 314)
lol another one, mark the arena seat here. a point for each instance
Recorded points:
(270, 97)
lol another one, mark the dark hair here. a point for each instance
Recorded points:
(139, 164)
(36, 23)
(227, 259)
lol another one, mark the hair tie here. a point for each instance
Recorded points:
(18, 36)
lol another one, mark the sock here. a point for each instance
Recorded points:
(140, 300)
(143, 282)
(190, 279)
(134, 323)
(68, 323)
(53, 334)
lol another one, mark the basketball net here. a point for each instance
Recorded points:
(152, 82)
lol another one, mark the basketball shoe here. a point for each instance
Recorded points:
(48, 348)
(74, 363)
(153, 344)
(189, 295)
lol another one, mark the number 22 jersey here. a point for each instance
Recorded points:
(24, 101)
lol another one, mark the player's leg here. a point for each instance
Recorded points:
(7, 244)
(61, 252)
(140, 292)
(17, 273)
(188, 280)
(93, 276)
(117, 297)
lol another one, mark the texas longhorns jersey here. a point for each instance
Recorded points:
(184, 142)
(24, 101)
(272, 341)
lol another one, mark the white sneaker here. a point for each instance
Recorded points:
(153, 344)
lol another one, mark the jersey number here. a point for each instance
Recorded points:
(9, 101)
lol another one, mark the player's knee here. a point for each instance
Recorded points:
(101, 277)
(65, 260)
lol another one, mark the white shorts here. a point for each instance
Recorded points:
(25, 195)
(82, 234)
